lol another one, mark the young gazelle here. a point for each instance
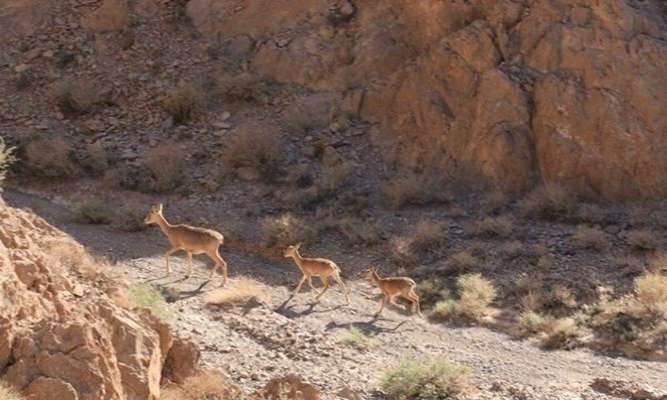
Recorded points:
(319, 267)
(392, 287)
(190, 239)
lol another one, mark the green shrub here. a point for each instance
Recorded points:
(353, 337)
(444, 309)
(147, 297)
(93, 212)
(475, 295)
(531, 322)
(6, 158)
(435, 379)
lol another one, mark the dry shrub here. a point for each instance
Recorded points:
(303, 117)
(658, 262)
(206, 385)
(643, 239)
(238, 291)
(415, 189)
(286, 230)
(560, 333)
(355, 230)
(245, 86)
(256, 147)
(166, 163)
(549, 202)
(430, 291)
(500, 227)
(512, 250)
(334, 177)
(651, 292)
(561, 297)
(545, 262)
(591, 213)
(6, 158)
(494, 202)
(73, 256)
(463, 261)
(93, 212)
(433, 379)
(49, 157)
(532, 300)
(531, 322)
(130, 218)
(75, 97)
(184, 102)
(95, 159)
(475, 295)
(427, 235)
(587, 237)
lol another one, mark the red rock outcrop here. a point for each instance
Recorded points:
(62, 337)
(570, 92)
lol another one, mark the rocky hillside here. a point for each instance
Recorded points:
(567, 92)
(63, 334)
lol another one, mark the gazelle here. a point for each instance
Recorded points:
(190, 239)
(392, 287)
(319, 267)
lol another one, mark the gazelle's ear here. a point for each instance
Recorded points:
(297, 246)
(159, 208)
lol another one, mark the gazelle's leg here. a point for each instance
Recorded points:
(166, 255)
(298, 287)
(325, 280)
(310, 283)
(344, 288)
(219, 263)
(189, 274)
(415, 300)
(384, 300)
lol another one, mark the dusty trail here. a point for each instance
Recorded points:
(259, 342)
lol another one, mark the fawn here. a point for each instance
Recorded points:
(392, 287)
(319, 267)
(192, 240)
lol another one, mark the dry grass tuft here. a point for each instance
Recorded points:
(433, 379)
(238, 291)
(591, 213)
(245, 86)
(6, 158)
(463, 261)
(73, 256)
(184, 102)
(549, 202)
(590, 238)
(166, 164)
(500, 227)
(49, 158)
(560, 333)
(206, 385)
(415, 189)
(75, 97)
(353, 337)
(643, 239)
(651, 292)
(255, 147)
(286, 230)
(427, 235)
(476, 293)
(512, 250)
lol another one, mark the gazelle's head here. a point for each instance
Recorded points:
(154, 215)
(292, 251)
(369, 273)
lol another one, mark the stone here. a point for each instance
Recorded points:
(113, 15)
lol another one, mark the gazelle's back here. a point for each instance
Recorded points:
(319, 266)
(190, 237)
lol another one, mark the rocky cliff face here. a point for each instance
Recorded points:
(568, 92)
(62, 337)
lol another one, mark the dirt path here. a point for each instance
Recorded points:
(256, 343)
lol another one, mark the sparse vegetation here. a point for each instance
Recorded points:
(550, 202)
(147, 297)
(286, 230)
(206, 385)
(71, 255)
(6, 158)
(560, 333)
(587, 237)
(435, 379)
(415, 189)
(165, 163)
(353, 337)
(245, 86)
(257, 148)
(93, 212)
(642, 239)
(427, 235)
(444, 309)
(500, 227)
(591, 213)
(531, 322)
(512, 250)
(130, 218)
(49, 157)
(303, 117)
(183, 102)
(7, 393)
(75, 97)
(237, 292)
(651, 292)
